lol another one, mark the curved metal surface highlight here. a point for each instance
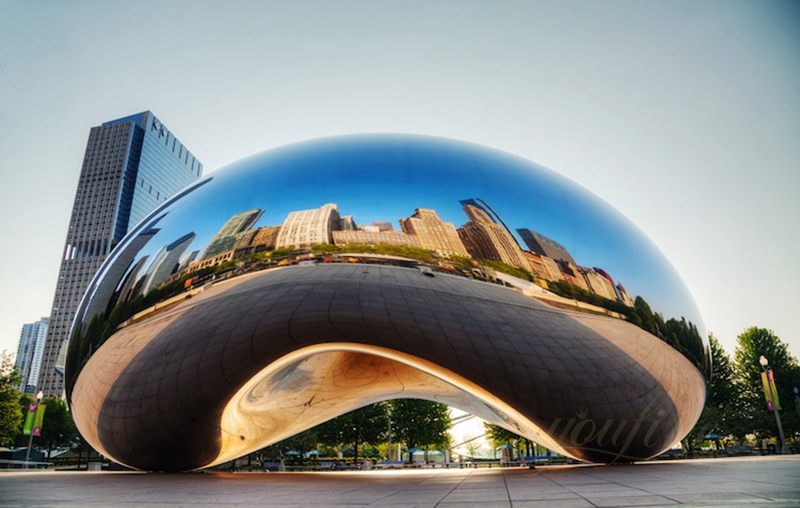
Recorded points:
(310, 280)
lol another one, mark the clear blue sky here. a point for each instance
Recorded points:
(684, 115)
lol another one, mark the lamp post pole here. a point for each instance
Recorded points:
(39, 397)
(389, 449)
(765, 365)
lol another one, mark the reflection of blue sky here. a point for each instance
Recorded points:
(384, 178)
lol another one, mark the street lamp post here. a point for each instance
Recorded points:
(769, 388)
(39, 397)
(389, 418)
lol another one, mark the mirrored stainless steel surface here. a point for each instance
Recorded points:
(309, 280)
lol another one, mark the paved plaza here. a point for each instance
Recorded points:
(751, 482)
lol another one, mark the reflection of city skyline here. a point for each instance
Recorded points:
(483, 247)
(483, 237)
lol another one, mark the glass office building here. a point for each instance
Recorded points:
(131, 165)
(29, 354)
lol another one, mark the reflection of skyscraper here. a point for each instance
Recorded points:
(598, 284)
(131, 166)
(29, 354)
(383, 226)
(304, 228)
(107, 290)
(225, 239)
(486, 239)
(166, 261)
(544, 246)
(266, 237)
(375, 237)
(623, 295)
(490, 213)
(187, 259)
(434, 233)
(346, 223)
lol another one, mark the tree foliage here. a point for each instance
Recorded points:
(752, 344)
(500, 436)
(58, 428)
(735, 403)
(10, 411)
(722, 413)
(681, 334)
(421, 423)
(365, 425)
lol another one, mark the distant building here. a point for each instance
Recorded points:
(599, 285)
(346, 223)
(433, 233)
(572, 274)
(29, 354)
(226, 237)
(552, 269)
(166, 262)
(544, 246)
(370, 237)
(536, 265)
(188, 259)
(266, 238)
(304, 228)
(383, 226)
(486, 239)
(490, 213)
(623, 295)
(131, 165)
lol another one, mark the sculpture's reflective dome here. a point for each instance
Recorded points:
(312, 279)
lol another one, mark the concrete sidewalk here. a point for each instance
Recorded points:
(746, 481)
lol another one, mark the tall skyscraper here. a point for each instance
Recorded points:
(434, 233)
(131, 165)
(29, 354)
(486, 239)
(493, 216)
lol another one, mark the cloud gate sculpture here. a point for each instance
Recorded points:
(310, 280)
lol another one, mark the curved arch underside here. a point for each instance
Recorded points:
(251, 361)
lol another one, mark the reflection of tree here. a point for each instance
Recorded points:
(86, 339)
(680, 334)
(510, 270)
(417, 253)
(722, 414)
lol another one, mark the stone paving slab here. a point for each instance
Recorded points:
(751, 482)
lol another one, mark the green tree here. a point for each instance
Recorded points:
(519, 273)
(722, 412)
(752, 344)
(364, 425)
(322, 248)
(421, 424)
(302, 442)
(500, 436)
(58, 428)
(10, 410)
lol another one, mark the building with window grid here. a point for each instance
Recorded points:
(131, 165)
